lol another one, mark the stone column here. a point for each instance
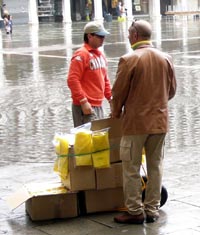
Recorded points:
(32, 12)
(154, 9)
(154, 13)
(185, 5)
(128, 5)
(177, 6)
(2, 75)
(98, 14)
(35, 54)
(66, 11)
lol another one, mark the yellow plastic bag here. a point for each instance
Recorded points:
(83, 148)
(143, 156)
(61, 144)
(101, 149)
(61, 167)
(121, 19)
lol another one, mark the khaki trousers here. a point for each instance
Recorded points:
(131, 156)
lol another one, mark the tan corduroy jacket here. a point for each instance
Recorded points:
(145, 81)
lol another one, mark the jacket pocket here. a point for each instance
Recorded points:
(125, 149)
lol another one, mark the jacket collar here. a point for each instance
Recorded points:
(141, 44)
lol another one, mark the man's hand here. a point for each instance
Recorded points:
(87, 108)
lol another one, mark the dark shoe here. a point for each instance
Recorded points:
(151, 218)
(127, 218)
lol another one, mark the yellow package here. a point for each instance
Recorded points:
(83, 148)
(121, 19)
(62, 149)
(101, 149)
(61, 145)
(61, 167)
(143, 156)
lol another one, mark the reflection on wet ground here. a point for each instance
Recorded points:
(34, 98)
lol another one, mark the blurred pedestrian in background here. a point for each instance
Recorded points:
(4, 11)
(121, 12)
(7, 19)
(8, 24)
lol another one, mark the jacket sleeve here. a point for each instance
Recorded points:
(120, 88)
(75, 75)
(172, 78)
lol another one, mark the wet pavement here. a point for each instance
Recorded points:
(35, 104)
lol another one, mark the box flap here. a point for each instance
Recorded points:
(113, 123)
(17, 198)
(45, 188)
(33, 190)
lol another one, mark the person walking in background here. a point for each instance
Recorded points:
(121, 12)
(114, 6)
(145, 82)
(8, 24)
(4, 11)
(7, 19)
(88, 10)
(90, 7)
(118, 9)
(87, 78)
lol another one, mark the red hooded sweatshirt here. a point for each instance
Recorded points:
(87, 77)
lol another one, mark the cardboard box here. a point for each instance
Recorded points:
(45, 201)
(104, 200)
(79, 178)
(114, 135)
(84, 177)
(109, 177)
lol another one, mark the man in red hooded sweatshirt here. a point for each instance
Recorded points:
(87, 78)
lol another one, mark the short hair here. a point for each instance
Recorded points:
(85, 38)
(143, 28)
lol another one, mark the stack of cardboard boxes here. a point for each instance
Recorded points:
(86, 189)
(101, 188)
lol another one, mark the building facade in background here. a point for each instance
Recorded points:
(31, 11)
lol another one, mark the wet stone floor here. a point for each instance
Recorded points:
(35, 104)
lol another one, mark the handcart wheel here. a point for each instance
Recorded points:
(164, 196)
(164, 193)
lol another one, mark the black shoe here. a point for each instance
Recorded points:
(127, 218)
(151, 218)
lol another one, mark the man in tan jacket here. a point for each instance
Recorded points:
(145, 82)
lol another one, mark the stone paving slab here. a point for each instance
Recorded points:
(180, 215)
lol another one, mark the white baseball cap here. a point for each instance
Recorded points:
(96, 28)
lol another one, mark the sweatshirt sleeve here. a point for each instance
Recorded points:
(75, 74)
(107, 93)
